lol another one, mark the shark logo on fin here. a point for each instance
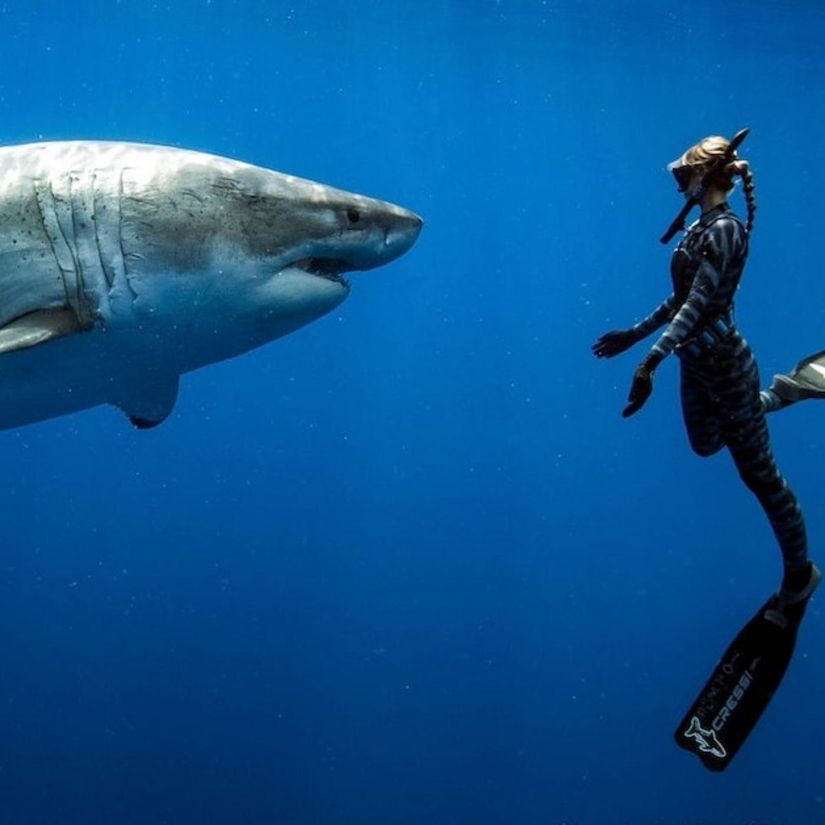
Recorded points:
(706, 739)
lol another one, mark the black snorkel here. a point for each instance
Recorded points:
(714, 168)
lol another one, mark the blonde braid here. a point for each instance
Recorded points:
(743, 169)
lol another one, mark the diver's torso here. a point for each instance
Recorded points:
(727, 254)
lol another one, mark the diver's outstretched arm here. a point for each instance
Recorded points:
(618, 340)
(724, 243)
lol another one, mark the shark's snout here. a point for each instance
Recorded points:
(402, 234)
(396, 231)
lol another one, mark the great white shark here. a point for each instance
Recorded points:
(125, 265)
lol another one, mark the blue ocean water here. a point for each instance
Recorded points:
(409, 564)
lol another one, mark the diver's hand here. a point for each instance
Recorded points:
(614, 342)
(640, 390)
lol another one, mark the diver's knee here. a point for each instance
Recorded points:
(706, 449)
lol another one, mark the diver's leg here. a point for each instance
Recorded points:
(752, 667)
(699, 413)
(745, 432)
(754, 460)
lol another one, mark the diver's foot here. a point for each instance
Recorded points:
(789, 604)
(799, 585)
(771, 399)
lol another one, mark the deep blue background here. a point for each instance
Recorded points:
(409, 565)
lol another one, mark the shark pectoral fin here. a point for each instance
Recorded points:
(150, 401)
(37, 328)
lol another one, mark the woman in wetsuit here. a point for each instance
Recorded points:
(720, 391)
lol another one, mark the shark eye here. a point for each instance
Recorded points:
(354, 215)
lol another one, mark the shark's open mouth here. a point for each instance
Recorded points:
(329, 268)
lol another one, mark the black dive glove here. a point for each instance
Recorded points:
(614, 342)
(642, 385)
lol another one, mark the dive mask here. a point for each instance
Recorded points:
(682, 173)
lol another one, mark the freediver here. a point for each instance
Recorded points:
(722, 406)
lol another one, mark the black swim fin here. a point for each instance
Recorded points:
(805, 381)
(743, 683)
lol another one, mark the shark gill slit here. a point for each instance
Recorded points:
(90, 226)
(44, 198)
(118, 204)
(95, 218)
(79, 302)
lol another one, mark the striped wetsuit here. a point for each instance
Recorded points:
(721, 403)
